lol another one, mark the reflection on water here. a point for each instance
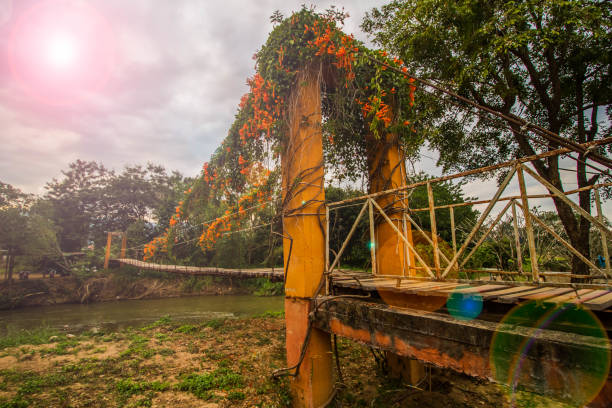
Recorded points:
(137, 312)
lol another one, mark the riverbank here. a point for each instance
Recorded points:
(215, 363)
(124, 284)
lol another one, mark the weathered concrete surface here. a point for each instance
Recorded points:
(304, 250)
(552, 364)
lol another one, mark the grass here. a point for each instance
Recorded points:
(186, 328)
(17, 337)
(162, 321)
(214, 323)
(201, 385)
(230, 366)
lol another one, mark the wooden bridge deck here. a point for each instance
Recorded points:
(594, 298)
(275, 274)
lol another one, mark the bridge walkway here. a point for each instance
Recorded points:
(592, 296)
(274, 274)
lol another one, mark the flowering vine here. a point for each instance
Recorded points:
(362, 97)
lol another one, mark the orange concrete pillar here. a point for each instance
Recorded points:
(304, 243)
(387, 170)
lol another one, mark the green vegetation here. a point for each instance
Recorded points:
(228, 362)
(14, 337)
(200, 385)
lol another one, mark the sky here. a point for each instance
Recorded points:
(174, 72)
(162, 83)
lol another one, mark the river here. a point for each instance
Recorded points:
(135, 313)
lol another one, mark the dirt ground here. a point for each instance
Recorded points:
(219, 363)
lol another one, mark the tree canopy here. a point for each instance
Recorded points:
(544, 61)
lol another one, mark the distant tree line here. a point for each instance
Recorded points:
(80, 207)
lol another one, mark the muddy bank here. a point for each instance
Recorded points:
(121, 286)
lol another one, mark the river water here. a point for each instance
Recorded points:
(135, 313)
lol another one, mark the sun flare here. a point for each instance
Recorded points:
(62, 51)
(59, 51)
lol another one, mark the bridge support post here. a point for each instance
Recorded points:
(109, 240)
(387, 170)
(308, 348)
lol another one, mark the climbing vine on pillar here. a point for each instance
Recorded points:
(360, 98)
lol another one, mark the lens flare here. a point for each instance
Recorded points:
(510, 353)
(466, 306)
(62, 51)
(59, 51)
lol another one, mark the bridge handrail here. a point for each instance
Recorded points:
(436, 271)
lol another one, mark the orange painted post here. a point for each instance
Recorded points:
(304, 246)
(387, 170)
(109, 239)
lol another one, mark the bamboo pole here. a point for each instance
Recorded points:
(604, 239)
(569, 202)
(382, 212)
(517, 239)
(480, 221)
(486, 234)
(470, 203)
(434, 229)
(567, 245)
(406, 252)
(453, 231)
(509, 163)
(528, 227)
(424, 234)
(348, 237)
(372, 237)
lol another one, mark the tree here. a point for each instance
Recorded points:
(90, 200)
(76, 202)
(22, 231)
(543, 61)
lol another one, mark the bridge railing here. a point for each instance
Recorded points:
(446, 261)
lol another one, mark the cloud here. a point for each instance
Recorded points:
(179, 70)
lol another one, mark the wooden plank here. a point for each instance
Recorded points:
(567, 298)
(384, 283)
(370, 284)
(419, 284)
(474, 289)
(341, 278)
(599, 303)
(543, 293)
(507, 291)
(594, 294)
(513, 297)
(440, 290)
(424, 287)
